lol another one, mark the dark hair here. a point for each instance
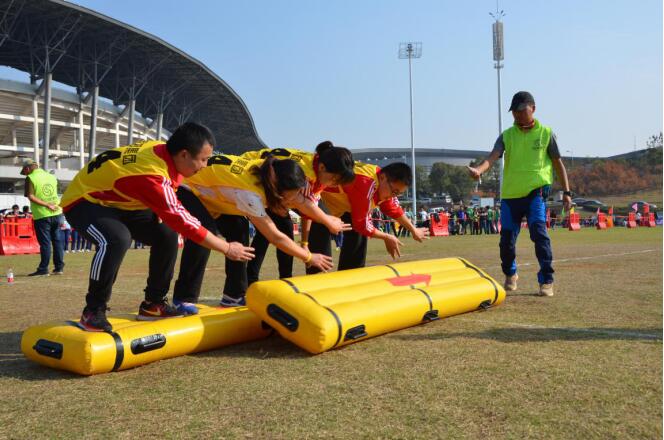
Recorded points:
(337, 160)
(399, 172)
(189, 136)
(14, 207)
(26, 208)
(278, 176)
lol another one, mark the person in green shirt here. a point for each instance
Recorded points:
(531, 154)
(41, 188)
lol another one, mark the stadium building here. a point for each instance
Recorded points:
(94, 83)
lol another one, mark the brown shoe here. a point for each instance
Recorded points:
(546, 289)
(510, 282)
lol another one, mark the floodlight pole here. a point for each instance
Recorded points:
(410, 51)
(498, 56)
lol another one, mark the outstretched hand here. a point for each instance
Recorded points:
(473, 172)
(239, 252)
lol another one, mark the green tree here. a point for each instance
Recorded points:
(655, 141)
(450, 179)
(422, 181)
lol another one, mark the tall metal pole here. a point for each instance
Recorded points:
(412, 138)
(498, 56)
(410, 51)
(47, 120)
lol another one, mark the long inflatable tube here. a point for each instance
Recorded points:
(329, 310)
(63, 345)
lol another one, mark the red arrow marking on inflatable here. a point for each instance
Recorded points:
(410, 279)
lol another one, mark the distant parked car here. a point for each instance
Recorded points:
(641, 203)
(578, 201)
(592, 205)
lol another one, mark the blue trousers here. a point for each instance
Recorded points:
(49, 235)
(533, 207)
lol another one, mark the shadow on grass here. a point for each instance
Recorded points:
(14, 364)
(273, 347)
(520, 334)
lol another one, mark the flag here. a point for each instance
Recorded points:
(635, 206)
(611, 210)
(571, 210)
(597, 211)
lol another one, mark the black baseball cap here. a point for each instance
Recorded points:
(520, 100)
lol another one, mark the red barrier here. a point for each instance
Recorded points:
(17, 236)
(296, 228)
(574, 222)
(439, 228)
(601, 221)
(649, 220)
(631, 220)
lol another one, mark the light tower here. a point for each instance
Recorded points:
(498, 56)
(409, 51)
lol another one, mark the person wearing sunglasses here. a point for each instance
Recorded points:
(372, 187)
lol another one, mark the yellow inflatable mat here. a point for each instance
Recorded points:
(329, 310)
(64, 345)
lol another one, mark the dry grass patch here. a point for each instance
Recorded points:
(586, 363)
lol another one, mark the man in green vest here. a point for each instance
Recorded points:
(41, 188)
(531, 154)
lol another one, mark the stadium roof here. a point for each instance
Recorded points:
(83, 48)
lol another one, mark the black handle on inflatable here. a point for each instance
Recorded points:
(148, 343)
(485, 305)
(356, 333)
(431, 315)
(48, 348)
(282, 317)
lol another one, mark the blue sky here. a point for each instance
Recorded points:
(311, 70)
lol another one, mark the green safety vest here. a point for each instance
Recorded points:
(527, 162)
(45, 186)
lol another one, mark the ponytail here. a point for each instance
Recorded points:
(277, 176)
(337, 160)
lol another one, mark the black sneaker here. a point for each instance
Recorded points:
(38, 273)
(95, 320)
(158, 310)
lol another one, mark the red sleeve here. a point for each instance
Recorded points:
(391, 208)
(157, 193)
(312, 192)
(360, 193)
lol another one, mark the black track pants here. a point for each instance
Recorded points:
(112, 230)
(260, 245)
(353, 250)
(195, 257)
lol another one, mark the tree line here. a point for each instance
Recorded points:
(591, 177)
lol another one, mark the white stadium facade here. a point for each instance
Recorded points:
(94, 83)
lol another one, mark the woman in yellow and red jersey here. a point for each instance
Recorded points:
(228, 194)
(126, 193)
(373, 187)
(329, 165)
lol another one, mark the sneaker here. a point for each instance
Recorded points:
(95, 320)
(546, 289)
(186, 308)
(38, 273)
(57, 272)
(227, 301)
(510, 282)
(159, 310)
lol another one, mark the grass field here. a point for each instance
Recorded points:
(586, 363)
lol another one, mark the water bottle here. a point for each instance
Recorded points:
(10, 276)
